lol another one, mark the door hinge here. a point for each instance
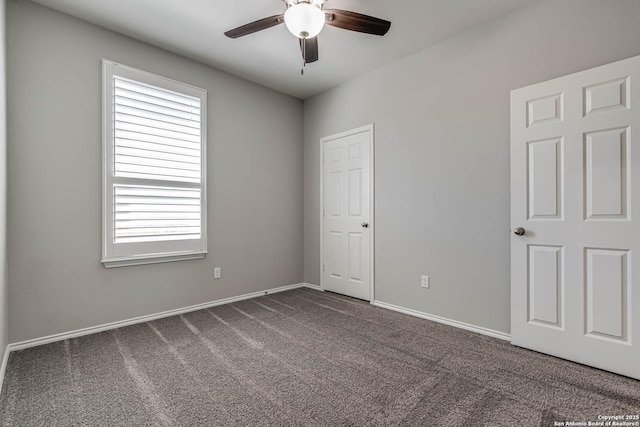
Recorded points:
(322, 267)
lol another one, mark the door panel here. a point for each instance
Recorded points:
(334, 191)
(346, 251)
(607, 275)
(545, 285)
(334, 262)
(606, 174)
(606, 96)
(544, 110)
(545, 179)
(355, 192)
(355, 256)
(575, 156)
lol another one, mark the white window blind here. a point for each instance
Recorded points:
(148, 214)
(154, 146)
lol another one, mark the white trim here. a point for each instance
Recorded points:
(114, 325)
(3, 366)
(444, 320)
(119, 324)
(312, 286)
(127, 254)
(151, 259)
(372, 225)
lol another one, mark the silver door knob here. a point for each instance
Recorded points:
(519, 231)
(365, 225)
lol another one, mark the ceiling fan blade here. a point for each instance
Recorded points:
(252, 27)
(310, 50)
(357, 22)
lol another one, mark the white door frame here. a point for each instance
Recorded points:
(372, 223)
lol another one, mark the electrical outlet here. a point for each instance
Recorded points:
(217, 273)
(425, 282)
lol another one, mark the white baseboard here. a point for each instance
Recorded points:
(114, 325)
(450, 322)
(312, 286)
(3, 366)
(141, 319)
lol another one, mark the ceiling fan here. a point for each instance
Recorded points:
(306, 18)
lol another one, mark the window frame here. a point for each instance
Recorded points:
(126, 254)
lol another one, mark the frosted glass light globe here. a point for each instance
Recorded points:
(304, 20)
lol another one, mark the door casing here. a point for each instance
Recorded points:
(372, 224)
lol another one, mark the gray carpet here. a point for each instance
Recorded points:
(301, 358)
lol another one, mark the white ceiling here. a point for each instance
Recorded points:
(194, 28)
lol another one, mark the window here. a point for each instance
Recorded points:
(154, 145)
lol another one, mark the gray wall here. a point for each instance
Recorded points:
(4, 315)
(255, 160)
(442, 150)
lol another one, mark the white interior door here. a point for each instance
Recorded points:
(347, 213)
(575, 191)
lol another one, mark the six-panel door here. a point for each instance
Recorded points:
(575, 188)
(346, 216)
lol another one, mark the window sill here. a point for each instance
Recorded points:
(151, 259)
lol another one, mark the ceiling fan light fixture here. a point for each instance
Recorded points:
(304, 20)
